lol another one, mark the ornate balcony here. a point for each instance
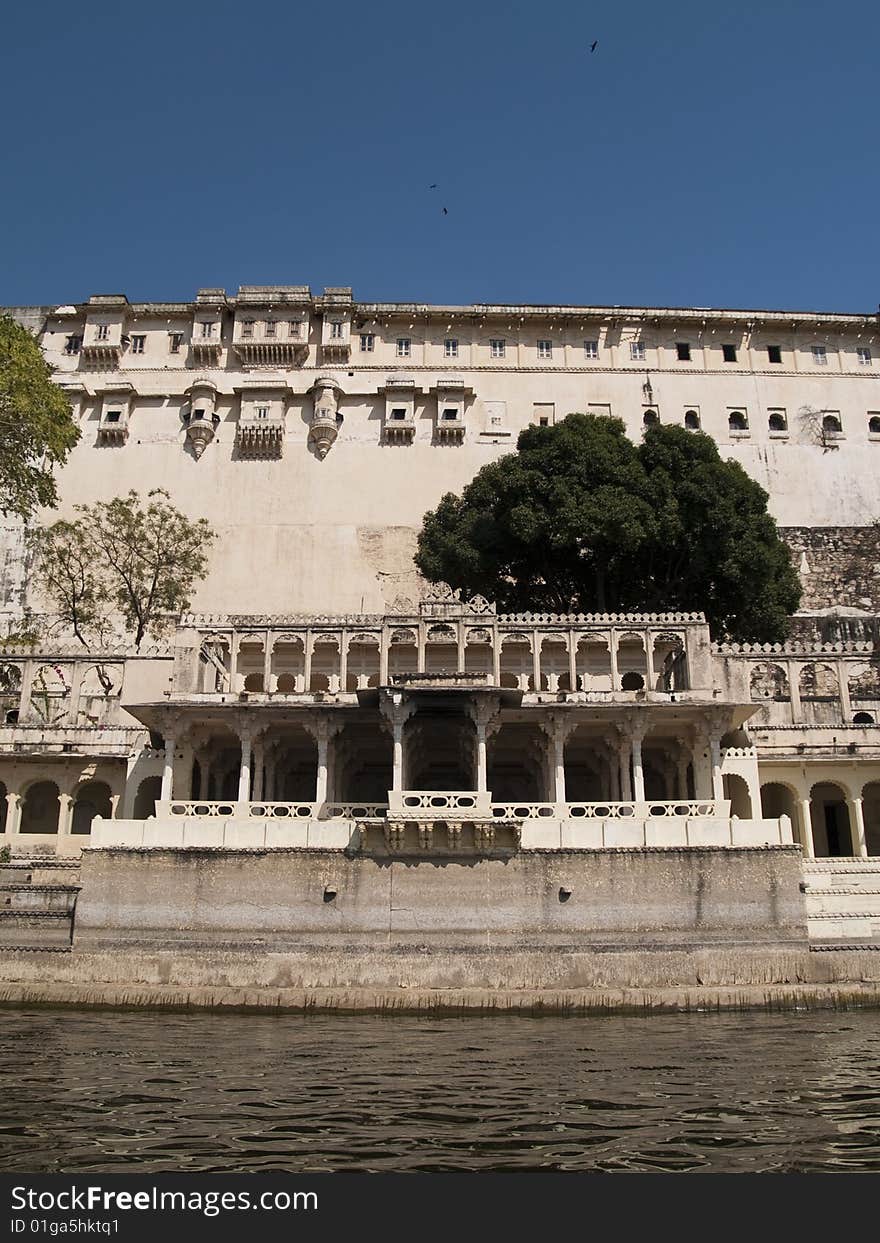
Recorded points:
(271, 352)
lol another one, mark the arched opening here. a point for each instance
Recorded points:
(874, 425)
(98, 690)
(325, 664)
(670, 663)
(863, 718)
(871, 814)
(780, 800)
(589, 775)
(593, 658)
(403, 653)
(516, 662)
(516, 765)
(632, 682)
(776, 422)
(362, 764)
(555, 674)
(737, 421)
(215, 664)
(39, 811)
(650, 418)
(287, 665)
(249, 664)
(737, 790)
(92, 799)
(148, 794)
(832, 835)
(10, 692)
(831, 425)
(692, 420)
(631, 659)
(478, 652)
(440, 750)
(441, 650)
(362, 662)
(50, 694)
(290, 767)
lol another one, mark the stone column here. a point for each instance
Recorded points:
(184, 771)
(65, 814)
(536, 660)
(496, 658)
(649, 662)
(13, 816)
(612, 652)
(267, 663)
(343, 660)
(794, 690)
(166, 792)
(258, 769)
(857, 828)
(397, 725)
(638, 772)
(623, 753)
(843, 690)
(383, 656)
(715, 758)
(807, 817)
(244, 772)
(322, 738)
(561, 730)
(307, 661)
(682, 772)
(572, 661)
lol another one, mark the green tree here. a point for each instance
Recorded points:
(581, 519)
(37, 430)
(125, 559)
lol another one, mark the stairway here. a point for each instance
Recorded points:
(843, 902)
(38, 903)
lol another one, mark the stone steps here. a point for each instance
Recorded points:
(843, 900)
(38, 903)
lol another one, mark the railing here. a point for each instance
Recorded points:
(439, 800)
(685, 809)
(421, 803)
(256, 809)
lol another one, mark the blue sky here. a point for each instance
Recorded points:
(705, 155)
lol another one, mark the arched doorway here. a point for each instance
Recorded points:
(832, 835)
(780, 800)
(871, 813)
(145, 800)
(39, 811)
(92, 799)
(737, 790)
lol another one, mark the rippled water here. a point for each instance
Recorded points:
(155, 1092)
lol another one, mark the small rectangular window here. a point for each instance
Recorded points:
(591, 349)
(262, 412)
(207, 330)
(175, 341)
(545, 349)
(451, 412)
(336, 330)
(820, 356)
(404, 347)
(398, 413)
(497, 347)
(103, 332)
(544, 413)
(247, 328)
(683, 351)
(774, 353)
(450, 347)
(864, 355)
(112, 416)
(137, 344)
(294, 328)
(637, 351)
(270, 328)
(729, 353)
(367, 342)
(73, 345)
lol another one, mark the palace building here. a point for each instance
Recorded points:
(321, 697)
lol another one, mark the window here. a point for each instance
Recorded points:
(544, 413)
(73, 345)
(271, 328)
(247, 328)
(545, 349)
(112, 416)
(450, 348)
(336, 329)
(729, 353)
(820, 356)
(497, 347)
(831, 425)
(774, 353)
(294, 328)
(137, 344)
(450, 412)
(175, 341)
(102, 332)
(874, 424)
(776, 421)
(683, 351)
(261, 412)
(404, 347)
(637, 351)
(650, 417)
(367, 342)
(692, 420)
(591, 349)
(600, 408)
(864, 355)
(863, 718)
(208, 330)
(737, 421)
(398, 413)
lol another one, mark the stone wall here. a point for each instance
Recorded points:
(839, 567)
(282, 898)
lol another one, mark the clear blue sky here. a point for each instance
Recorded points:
(706, 154)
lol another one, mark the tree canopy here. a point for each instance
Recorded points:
(37, 430)
(124, 560)
(580, 519)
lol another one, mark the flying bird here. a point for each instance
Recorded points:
(433, 187)
(594, 45)
(445, 212)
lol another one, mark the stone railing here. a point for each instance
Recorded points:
(420, 804)
(255, 809)
(684, 809)
(423, 803)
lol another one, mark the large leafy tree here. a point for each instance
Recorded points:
(581, 519)
(125, 561)
(37, 430)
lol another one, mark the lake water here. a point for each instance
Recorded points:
(142, 1092)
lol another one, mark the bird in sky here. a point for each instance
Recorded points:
(594, 45)
(433, 187)
(445, 212)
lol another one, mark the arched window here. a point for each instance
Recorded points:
(39, 811)
(831, 424)
(874, 425)
(776, 422)
(863, 718)
(737, 421)
(650, 418)
(632, 682)
(92, 799)
(692, 420)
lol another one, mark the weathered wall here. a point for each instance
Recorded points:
(624, 897)
(839, 567)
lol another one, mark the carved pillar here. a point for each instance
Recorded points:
(259, 752)
(396, 711)
(168, 768)
(536, 660)
(612, 652)
(857, 829)
(496, 658)
(807, 818)
(343, 661)
(384, 639)
(307, 661)
(572, 662)
(561, 730)
(703, 784)
(483, 712)
(715, 760)
(13, 815)
(623, 761)
(65, 809)
(649, 661)
(267, 663)
(637, 735)
(244, 772)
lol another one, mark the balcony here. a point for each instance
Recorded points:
(271, 351)
(206, 351)
(336, 350)
(101, 355)
(116, 741)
